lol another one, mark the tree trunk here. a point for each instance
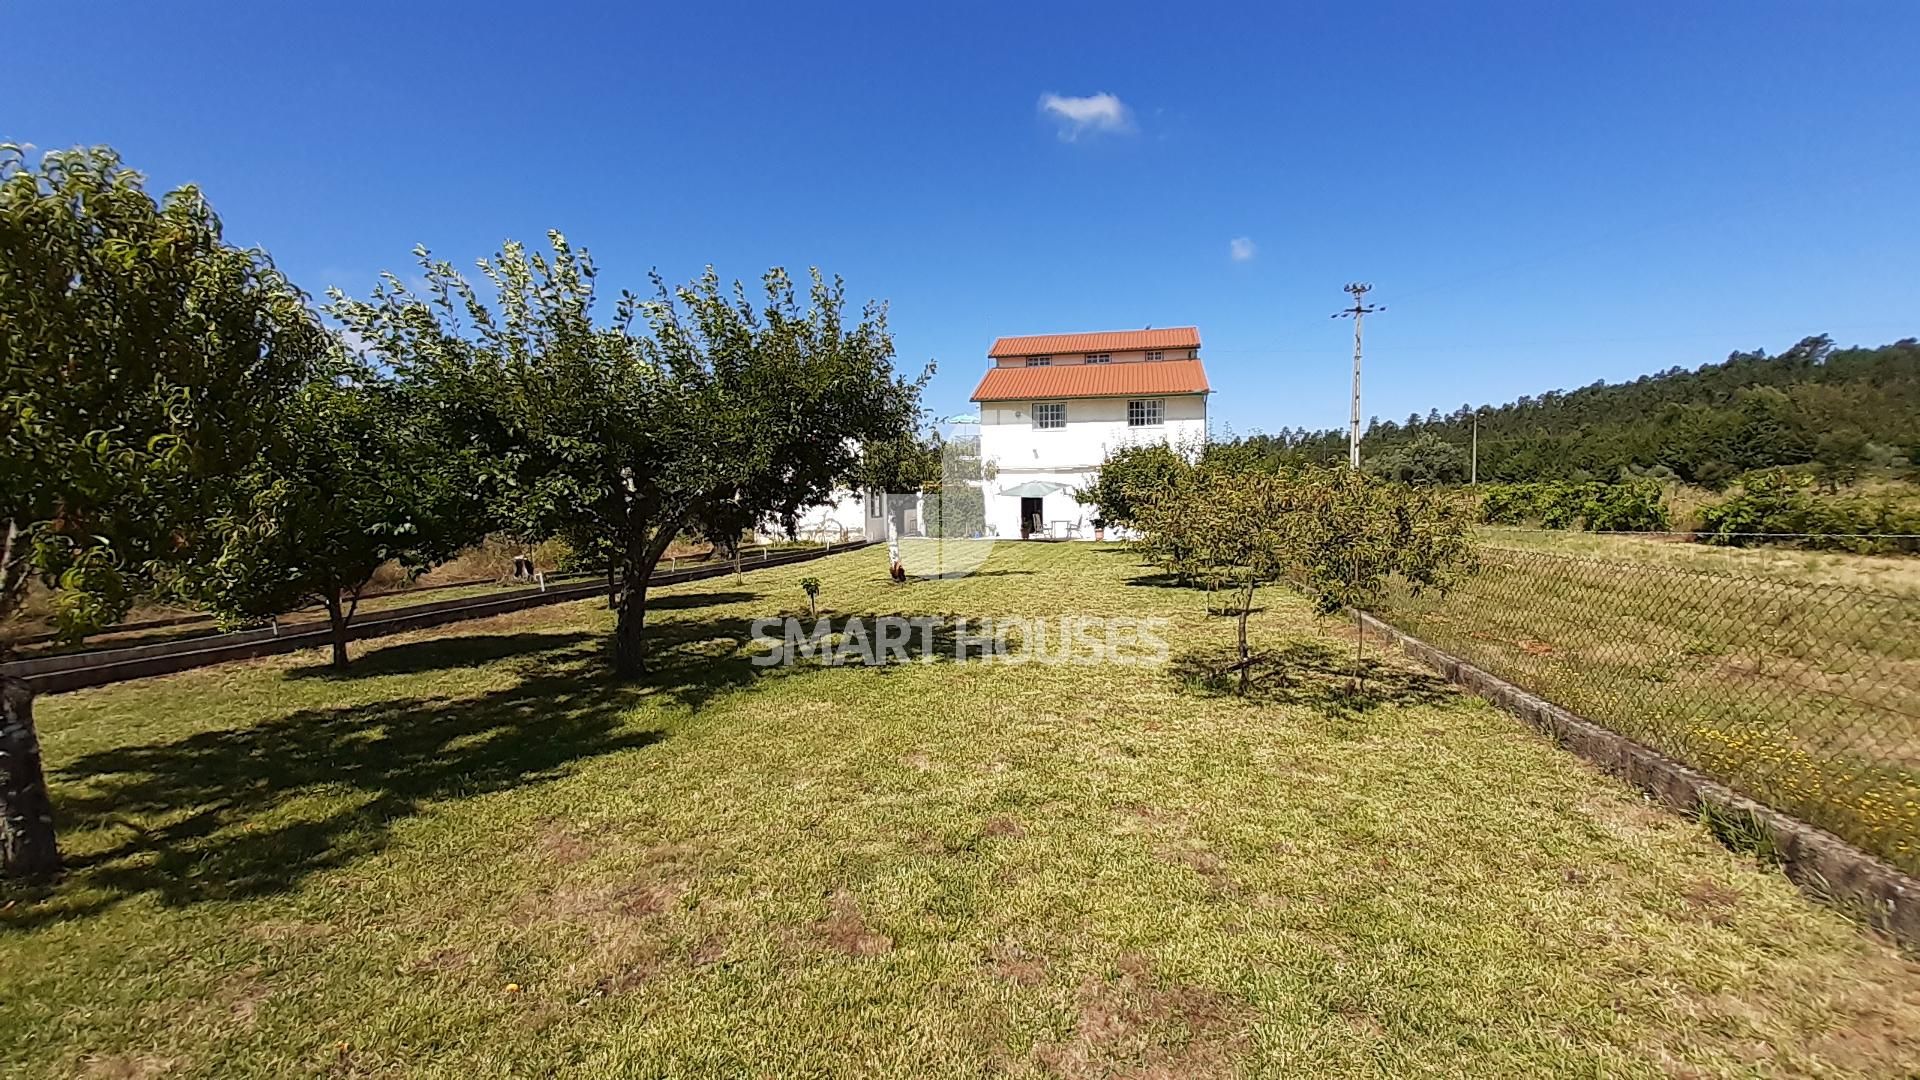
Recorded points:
(630, 626)
(630, 620)
(613, 588)
(337, 622)
(1359, 651)
(28, 848)
(1246, 605)
(13, 578)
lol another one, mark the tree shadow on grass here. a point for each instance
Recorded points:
(682, 601)
(469, 650)
(435, 654)
(1306, 672)
(691, 661)
(1221, 602)
(251, 811)
(1160, 580)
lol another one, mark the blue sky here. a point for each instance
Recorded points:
(1542, 196)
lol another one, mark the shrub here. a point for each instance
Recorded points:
(1560, 504)
(1778, 507)
(1334, 534)
(1629, 506)
(1428, 459)
(1766, 502)
(556, 556)
(1632, 505)
(1131, 474)
(1507, 504)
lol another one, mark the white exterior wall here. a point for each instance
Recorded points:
(1070, 455)
(851, 514)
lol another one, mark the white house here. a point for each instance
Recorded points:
(1052, 405)
(847, 515)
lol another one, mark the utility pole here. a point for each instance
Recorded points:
(1474, 478)
(1360, 310)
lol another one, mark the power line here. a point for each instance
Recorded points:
(1731, 338)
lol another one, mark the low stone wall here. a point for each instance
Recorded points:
(1824, 866)
(72, 671)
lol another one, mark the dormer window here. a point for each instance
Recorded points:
(1156, 355)
(1099, 358)
(1039, 361)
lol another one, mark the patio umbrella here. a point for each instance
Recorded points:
(1033, 489)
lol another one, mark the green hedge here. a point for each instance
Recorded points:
(1779, 507)
(1628, 506)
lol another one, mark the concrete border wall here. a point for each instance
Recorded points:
(72, 671)
(1824, 866)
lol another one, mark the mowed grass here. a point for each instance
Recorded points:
(476, 855)
(1786, 679)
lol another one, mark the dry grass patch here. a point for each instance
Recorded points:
(125, 1067)
(1131, 1024)
(845, 930)
(1002, 826)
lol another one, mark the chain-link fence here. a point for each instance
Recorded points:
(1802, 695)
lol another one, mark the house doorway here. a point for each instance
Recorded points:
(1030, 516)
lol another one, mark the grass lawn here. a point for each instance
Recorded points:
(1897, 574)
(476, 856)
(1791, 676)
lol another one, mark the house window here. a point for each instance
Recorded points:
(1039, 361)
(1146, 413)
(1099, 358)
(1156, 355)
(1049, 414)
(873, 504)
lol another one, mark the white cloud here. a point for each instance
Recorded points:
(1241, 249)
(1076, 116)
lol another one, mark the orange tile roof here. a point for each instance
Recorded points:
(1173, 337)
(1092, 380)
